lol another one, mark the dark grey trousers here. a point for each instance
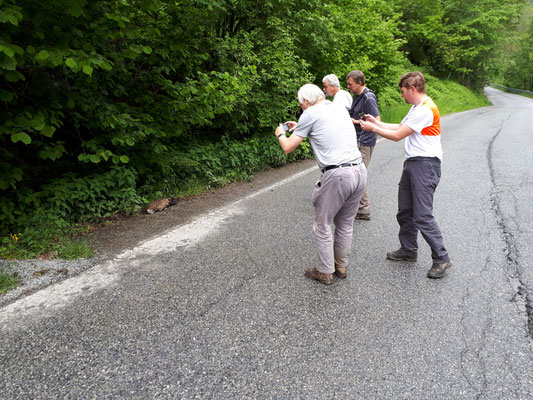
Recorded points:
(420, 178)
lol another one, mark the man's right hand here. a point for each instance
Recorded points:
(292, 125)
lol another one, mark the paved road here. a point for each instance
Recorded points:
(220, 309)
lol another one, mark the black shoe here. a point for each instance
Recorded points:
(401, 255)
(438, 270)
(365, 217)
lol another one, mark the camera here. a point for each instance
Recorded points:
(286, 127)
(362, 116)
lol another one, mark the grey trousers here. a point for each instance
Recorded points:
(336, 199)
(364, 203)
(420, 178)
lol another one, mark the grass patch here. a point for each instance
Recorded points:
(449, 96)
(28, 245)
(73, 250)
(7, 282)
(394, 114)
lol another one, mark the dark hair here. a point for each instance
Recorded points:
(357, 76)
(416, 79)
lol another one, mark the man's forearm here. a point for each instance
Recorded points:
(386, 125)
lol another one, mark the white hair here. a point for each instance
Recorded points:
(332, 80)
(311, 93)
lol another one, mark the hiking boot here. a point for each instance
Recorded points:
(438, 270)
(313, 273)
(341, 272)
(365, 217)
(401, 255)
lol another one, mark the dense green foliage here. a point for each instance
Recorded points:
(456, 38)
(516, 57)
(108, 104)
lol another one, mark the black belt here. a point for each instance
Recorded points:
(338, 166)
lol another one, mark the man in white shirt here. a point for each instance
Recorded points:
(336, 196)
(332, 88)
(421, 173)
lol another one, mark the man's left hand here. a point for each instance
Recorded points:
(279, 130)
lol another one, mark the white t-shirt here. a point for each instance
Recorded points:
(424, 119)
(331, 134)
(343, 98)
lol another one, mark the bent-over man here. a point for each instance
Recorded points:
(421, 173)
(336, 195)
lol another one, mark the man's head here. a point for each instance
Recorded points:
(331, 85)
(309, 95)
(355, 81)
(413, 86)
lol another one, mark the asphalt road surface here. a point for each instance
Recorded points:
(219, 308)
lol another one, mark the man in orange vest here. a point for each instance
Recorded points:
(421, 173)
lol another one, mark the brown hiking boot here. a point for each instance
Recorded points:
(341, 272)
(313, 273)
(401, 255)
(365, 217)
(438, 270)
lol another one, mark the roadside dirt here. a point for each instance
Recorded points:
(126, 232)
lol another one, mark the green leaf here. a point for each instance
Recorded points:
(88, 69)
(12, 76)
(38, 124)
(7, 51)
(42, 55)
(6, 96)
(130, 141)
(71, 63)
(124, 159)
(94, 158)
(147, 49)
(75, 10)
(21, 137)
(48, 131)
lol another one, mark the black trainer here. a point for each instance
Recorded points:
(401, 255)
(438, 270)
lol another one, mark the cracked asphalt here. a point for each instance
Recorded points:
(217, 307)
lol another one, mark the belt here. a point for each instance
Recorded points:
(327, 168)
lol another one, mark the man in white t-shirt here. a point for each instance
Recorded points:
(332, 88)
(421, 173)
(336, 195)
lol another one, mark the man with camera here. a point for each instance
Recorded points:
(332, 88)
(421, 173)
(336, 195)
(364, 102)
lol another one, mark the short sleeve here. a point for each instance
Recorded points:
(420, 118)
(305, 124)
(371, 105)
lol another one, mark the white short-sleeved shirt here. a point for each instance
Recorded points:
(331, 134)
(343, 98)
(424, 119)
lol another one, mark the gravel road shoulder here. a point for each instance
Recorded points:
(125, 233)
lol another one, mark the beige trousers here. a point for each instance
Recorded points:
(364, 204)
(336, 199)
